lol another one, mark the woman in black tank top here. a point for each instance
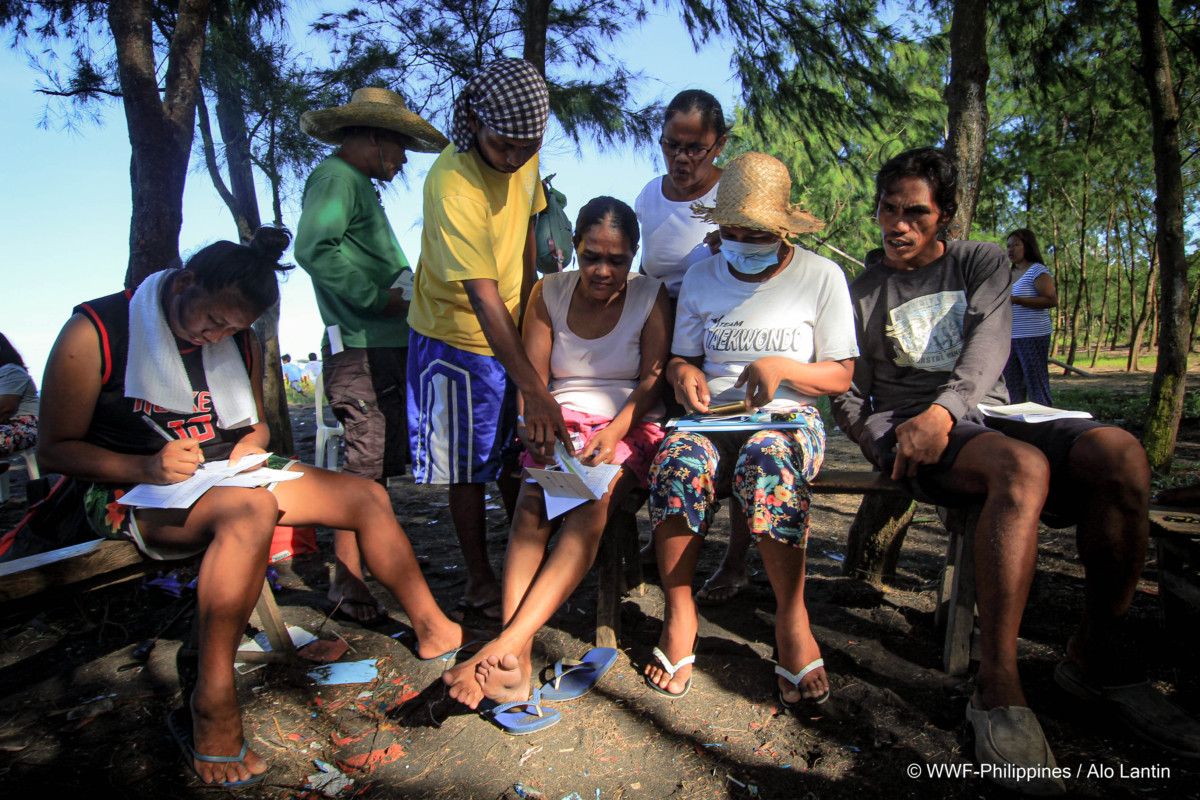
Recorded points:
(93, 432)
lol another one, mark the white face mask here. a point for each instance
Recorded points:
(750, 259)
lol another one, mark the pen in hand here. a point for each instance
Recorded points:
(161, 431)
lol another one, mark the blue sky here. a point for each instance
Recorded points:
(66, 205)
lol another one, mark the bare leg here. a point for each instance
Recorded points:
(470, 525)
(348, 588)
(1109, 467)
(341, 501)
(1015, 478)
(536, 584)
(730, 576)
(678, 551)
(793, 634)
(238, 524)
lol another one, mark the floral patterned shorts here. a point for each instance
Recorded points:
(767, 471)
(19, 433)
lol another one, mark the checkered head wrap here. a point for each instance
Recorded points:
(509, 96)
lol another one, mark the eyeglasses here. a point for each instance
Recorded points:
(673, 148)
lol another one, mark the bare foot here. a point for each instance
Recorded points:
(483, 600)
(443, 636)
(351, 596)
(794, 656)
(723, 586)
(218, 732)
(464, 686)
(677, 642)
(504, 679)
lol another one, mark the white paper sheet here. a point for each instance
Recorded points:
(335, 339)
(1032, 412)
(187, 492)
(573, 483)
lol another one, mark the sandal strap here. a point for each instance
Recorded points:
(534, 704)
(795, 678)
(223, 759)
(571, 664)
(670, 668)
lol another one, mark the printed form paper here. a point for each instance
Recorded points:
(572, 484)
(212, 473)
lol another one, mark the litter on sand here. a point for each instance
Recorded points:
(527, 792)
(329, 781)
(530, 753)
(345, 672)
(261, 644)
(324, 651)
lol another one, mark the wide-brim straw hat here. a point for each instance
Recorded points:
(755, 192)
(373, 107)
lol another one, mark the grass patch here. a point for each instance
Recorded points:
(294, 398)
(1127, 409)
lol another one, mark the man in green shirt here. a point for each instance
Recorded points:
(363, 285)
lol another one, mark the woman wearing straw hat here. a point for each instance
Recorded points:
(345, 242)
(769, 324)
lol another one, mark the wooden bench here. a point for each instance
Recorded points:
(620, 565)
(103, 562)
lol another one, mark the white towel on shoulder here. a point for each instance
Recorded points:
(154, 369)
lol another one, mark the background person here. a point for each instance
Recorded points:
(346, 244)
(292, 373)
(18, 402)
(313, 368)
(598, 337)
(180, 354)
(466, 360)
(693, 135)
(770, 324)
(1027, 373)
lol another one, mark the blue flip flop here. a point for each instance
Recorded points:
(179, 724)
(520, 717)
(574, 678)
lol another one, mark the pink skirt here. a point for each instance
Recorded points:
(635, 452)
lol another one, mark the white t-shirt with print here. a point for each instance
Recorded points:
(672, 239)
(804, 313)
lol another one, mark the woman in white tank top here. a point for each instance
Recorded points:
(599, 337)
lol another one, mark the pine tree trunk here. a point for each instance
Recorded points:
(160, 127)
(966, 99)
(1170, 376)
(537, 21)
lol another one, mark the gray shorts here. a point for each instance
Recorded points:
(365, 387)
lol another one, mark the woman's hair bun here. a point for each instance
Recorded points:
(270, 242)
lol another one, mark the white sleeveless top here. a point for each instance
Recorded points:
(597, 376)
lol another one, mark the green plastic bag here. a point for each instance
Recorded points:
(552, 232)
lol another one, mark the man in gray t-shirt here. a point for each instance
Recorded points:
(934, 321)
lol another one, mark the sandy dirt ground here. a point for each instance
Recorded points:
(80, 718)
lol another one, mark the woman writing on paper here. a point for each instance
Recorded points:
(769, 324)
(179, 352)
(598, 337)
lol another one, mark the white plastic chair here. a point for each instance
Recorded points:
(325, 448)
(31, 468)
